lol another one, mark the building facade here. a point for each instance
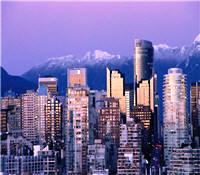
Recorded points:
(185, 161)
(129, 99)
(42, 96)
(96, 157)
(116, 87)
(77, 76)
(77, 130)
(50, 82)
(130, 150)
(43, 163)
(144, 77)
(29, 116)
(53, 123)
(195, 111)
(174, 112)
(109, 119)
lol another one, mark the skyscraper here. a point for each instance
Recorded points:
(144, 115)
(50, 82)
(29, 116)
(77, 126)
(53, 129)
(144, 78)
(143, 61)
(130, 150)
(174, 112)
(108, 130)
(95, 99)
(116, 87)
(109, 119)
(42, 96)
(145, 94)
(77, 76)
(195, 110)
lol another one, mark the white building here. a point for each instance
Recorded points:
(96, 158)
(174, 111)
(129, 100)
(185, 161)
(130, 149)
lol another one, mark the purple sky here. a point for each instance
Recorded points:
(35, 31)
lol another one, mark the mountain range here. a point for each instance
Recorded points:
(165, 57)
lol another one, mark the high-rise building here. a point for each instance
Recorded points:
(144, 115)
(195, 110)
(77, 76)
(95, 99)
(77, 126)
(144, 78)
(184, 161)
(53, 129)
(143, 62)
(146, 107)
(129, 99)
(50, 82)
(108, 127)
(109, 119)
(96, 158)
(174, 112)
(14, 121)
(29, 116)
(130, 150)
(42, 96)
(116, 87)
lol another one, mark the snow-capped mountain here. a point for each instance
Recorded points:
(161, 52)
(89, 58)
(164, 51)
(185, 57)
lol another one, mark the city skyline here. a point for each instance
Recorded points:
(86, 131)
(77, 34)
(101, 114)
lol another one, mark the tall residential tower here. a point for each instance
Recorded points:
(174, 112)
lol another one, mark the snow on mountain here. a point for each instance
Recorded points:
(164, 51)
(197, 39)
(91, 58)
(100, 55)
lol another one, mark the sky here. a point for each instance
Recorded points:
(34, 31)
